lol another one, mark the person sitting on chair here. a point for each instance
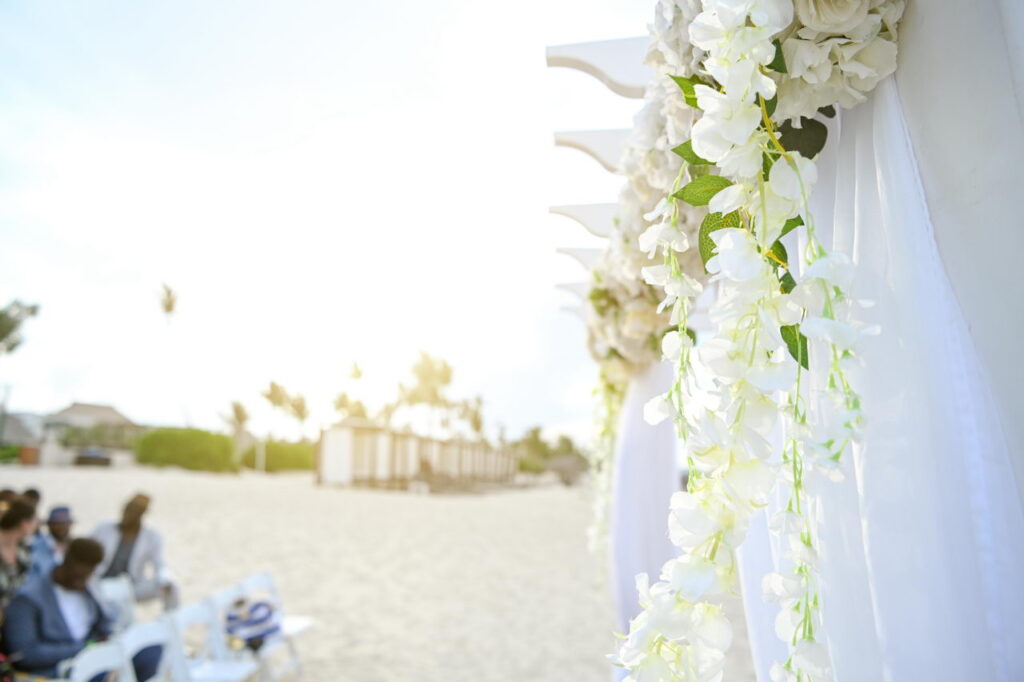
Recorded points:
(17, 524)
(48, 548)
(54, 616)
(136, 550)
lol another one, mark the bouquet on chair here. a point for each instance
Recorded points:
(251, 622)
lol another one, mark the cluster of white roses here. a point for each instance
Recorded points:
(836, 54)
(784, 336)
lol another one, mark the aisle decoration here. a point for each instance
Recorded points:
(626, 319)
(759, 77)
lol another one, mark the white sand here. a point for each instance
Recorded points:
(403, 587)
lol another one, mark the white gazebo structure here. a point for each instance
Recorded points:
(924, 540)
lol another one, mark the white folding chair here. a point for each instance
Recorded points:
(210, 662)
(118, 596)
(144, 635)
(291, 626)
(106, 659)
(261, 585)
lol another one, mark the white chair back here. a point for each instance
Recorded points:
(144, 635)
(198, 616)
(118, 596)
(105, 659)
(260, 582)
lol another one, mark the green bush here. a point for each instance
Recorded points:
(9, 453)
(532, 464)
(283, 456)
(186, 448)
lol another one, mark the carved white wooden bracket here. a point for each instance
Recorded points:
(576, 310)
(599, 219)
(605, 146)
(619, 64)
(586, 257)
(579, 289)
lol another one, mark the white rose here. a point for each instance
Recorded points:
(867, 63)
(807, 59)
(831, 16)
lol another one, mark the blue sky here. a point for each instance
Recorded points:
(321, 183)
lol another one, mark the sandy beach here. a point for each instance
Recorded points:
(495, 587)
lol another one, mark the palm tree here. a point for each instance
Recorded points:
(472, 412)
(239, 417)
(169, 305)
(237, 420)
(348, 407)
(298, 408)
(432, 376)
(168, 301)
(11, 318)
(277, 397)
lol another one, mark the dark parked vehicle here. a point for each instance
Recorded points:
(92, 456)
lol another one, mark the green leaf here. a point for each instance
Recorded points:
(787, 283)
(779, 251)
(712, 222)
(767, 161)
(771, 104)
(692, 334)
(778, 64)
(828, 112)
(796, 343)
(699, 192)
(809, 139)
(686, 85)
(791, 225)
(685, 150)
(602, 300)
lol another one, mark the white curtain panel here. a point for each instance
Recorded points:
(923, 544)
(645, 478)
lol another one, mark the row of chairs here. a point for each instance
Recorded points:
(193, 640)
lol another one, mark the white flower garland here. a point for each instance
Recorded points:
(784, 333)
(625, 320)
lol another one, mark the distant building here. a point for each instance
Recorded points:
(21, 429)
(83, 427)
(88, 416)
(60, 437)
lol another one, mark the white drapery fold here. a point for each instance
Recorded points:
(923, 544)
(645, 476)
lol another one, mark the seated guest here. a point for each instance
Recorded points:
(6, 497)
(34, 497)
(54, 616)
(48, 548)
(16, 524)
(136, 550)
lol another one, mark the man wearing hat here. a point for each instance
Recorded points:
(136, 550)
(48, 548)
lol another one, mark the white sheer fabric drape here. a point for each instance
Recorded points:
(923, 544)
(645, 478)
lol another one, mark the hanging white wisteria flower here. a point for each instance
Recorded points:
(626, 315)
(784, 330)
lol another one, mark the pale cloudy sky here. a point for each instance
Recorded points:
(321, 183)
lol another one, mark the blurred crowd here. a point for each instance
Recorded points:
(50, 607)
